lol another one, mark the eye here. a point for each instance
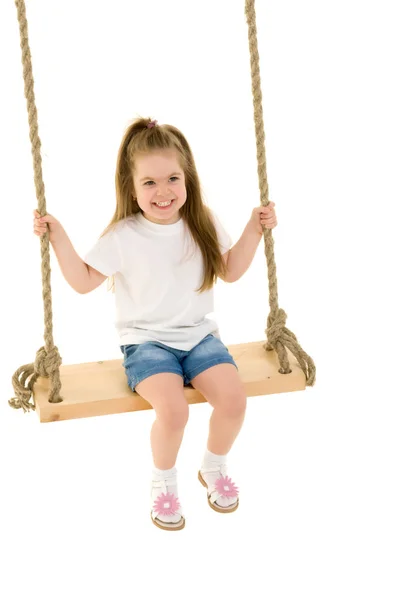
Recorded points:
(150, 182)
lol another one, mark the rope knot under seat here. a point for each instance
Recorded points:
(47, 364)
(23, 393)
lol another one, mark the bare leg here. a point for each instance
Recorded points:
(223, 389)
(164, 392)
(165, 443)
(224, 429)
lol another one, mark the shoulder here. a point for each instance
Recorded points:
(224, 237)
(121, 226)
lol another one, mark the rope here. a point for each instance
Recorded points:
(279, 338)
(48, 360)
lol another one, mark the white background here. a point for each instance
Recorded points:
(318, 470)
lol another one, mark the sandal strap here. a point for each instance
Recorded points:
(212, 491)
(214, 496)
(171, 498)
(222, 469)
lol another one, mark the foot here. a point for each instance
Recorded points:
(222, 493)
(166, 509)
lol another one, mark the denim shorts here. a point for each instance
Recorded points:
(149, 358)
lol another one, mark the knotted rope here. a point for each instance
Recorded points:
(279, 338)
(48, 360)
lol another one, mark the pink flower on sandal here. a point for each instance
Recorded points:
(166, 504)
(225, 486)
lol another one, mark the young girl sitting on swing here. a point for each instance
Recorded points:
(165, 249)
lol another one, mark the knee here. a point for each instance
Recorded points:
(175, 418)
(234, 406)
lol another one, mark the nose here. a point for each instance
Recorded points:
(162, 190)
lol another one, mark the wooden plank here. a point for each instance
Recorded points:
(101, 388)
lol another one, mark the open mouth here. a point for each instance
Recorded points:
(163, 205)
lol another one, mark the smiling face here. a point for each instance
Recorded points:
(159, 183)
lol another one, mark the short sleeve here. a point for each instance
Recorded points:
(105, 255)
(225, 240)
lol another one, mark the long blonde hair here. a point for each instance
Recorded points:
(138, 138)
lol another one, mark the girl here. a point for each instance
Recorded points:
(164, 249)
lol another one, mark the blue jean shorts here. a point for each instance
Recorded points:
(149, 358)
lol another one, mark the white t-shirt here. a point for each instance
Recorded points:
(157, 269)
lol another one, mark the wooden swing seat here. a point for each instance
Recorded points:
(101, 388)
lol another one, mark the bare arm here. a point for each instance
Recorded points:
(80, 276)
(242, 253)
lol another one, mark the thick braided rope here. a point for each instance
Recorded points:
(48, 360)
(279, 337)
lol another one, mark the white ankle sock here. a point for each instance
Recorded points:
(160, 474)
(210, 459)
(217, 462)
(163, 482)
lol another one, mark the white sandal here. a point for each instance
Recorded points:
(222, 488)
(166, 504)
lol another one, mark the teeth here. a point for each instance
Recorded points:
(163, 203)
